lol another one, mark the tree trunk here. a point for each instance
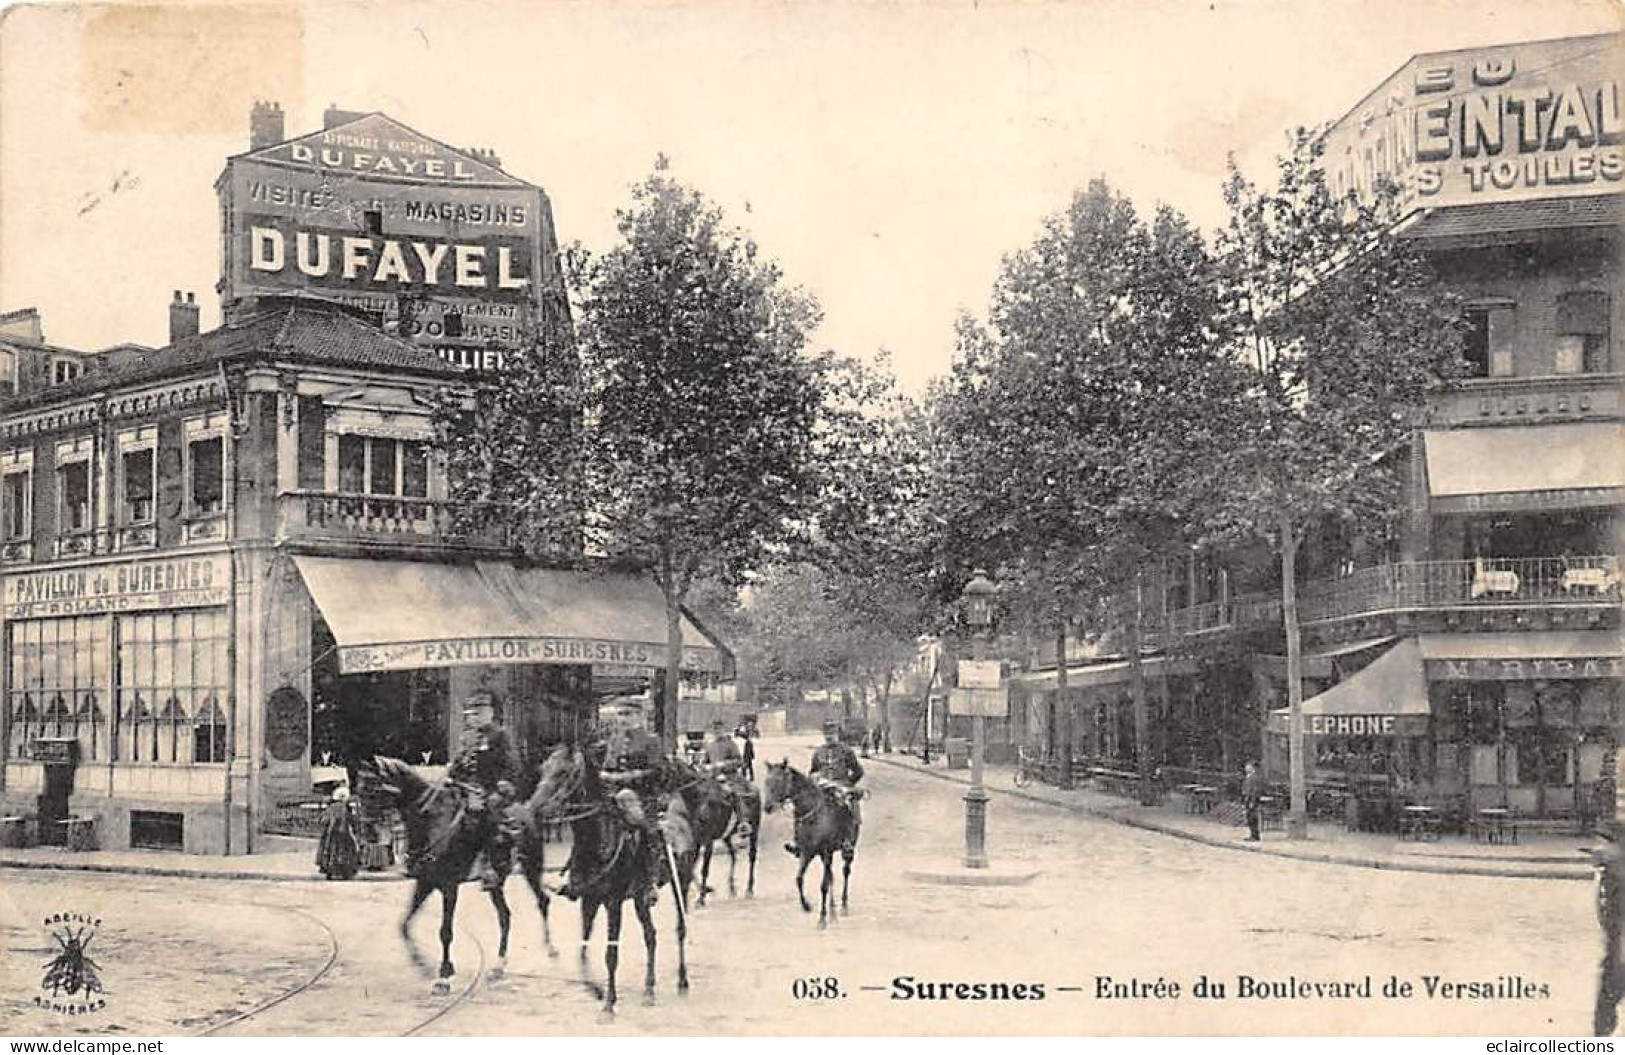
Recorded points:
(674, 664)
(1136, 681)
(1297, 819)
(885, 713)
(1060, 718)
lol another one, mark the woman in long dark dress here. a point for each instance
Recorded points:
(338, 855)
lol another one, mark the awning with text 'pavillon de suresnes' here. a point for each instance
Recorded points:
(1388, 697)
(409, 615)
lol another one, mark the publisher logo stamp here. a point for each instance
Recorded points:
(72, 983)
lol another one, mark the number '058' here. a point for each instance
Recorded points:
(827, 988)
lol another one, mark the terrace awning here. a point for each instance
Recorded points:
(1526, 467)
(407, 615)
(1388, 697)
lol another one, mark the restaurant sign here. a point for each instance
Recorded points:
(128, 586)
(1524, 669)
(476, 651)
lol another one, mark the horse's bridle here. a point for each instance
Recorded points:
(578, 784)
(820, 801)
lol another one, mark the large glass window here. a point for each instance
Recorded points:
(374, 465)
(57, 674)
(170, 681)
(1476, 346)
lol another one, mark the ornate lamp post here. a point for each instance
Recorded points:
(978, 611)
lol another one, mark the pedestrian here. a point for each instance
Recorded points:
(338, 853)
(1610, 864)
(747, 753)
(1252, 789)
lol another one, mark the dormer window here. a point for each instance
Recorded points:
(65, 370)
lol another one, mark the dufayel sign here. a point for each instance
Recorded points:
(1506, 123)
(443, 244)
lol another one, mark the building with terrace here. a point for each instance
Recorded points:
(1471, 661)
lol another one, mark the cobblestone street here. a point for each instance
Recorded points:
(182, 955)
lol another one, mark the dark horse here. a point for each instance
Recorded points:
(444, 837)
(612, 861)
(823, 825)
(716, 813)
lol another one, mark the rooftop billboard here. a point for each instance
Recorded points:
(442, 243)
(1506, 123)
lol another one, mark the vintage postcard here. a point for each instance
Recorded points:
(750, 518)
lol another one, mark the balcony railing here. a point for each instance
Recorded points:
(1463, 583)
(1439, 584)
(309, 512)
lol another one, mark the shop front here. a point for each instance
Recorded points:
(118, 699)
(1468, 721)
(394, 650)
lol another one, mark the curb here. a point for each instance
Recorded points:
(1377, 864)
(178, 872)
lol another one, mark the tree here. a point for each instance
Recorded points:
(513, 444)
(701, 401)
(1345, 334)
(1083, 408)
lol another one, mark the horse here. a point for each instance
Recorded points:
(444, 838)
(718, 814)
(611, 863)
(823, 825)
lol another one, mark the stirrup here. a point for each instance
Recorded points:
(792, 849)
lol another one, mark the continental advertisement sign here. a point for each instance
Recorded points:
(445, 246)
(475, 651)
(127, 586)
(1509, 123)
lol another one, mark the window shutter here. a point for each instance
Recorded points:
(312, 444)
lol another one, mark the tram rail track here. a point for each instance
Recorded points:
(263, 1011)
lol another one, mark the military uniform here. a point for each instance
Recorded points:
(488, 770)
(838, 764)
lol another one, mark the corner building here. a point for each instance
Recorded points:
(1471, 659)
(229, 567)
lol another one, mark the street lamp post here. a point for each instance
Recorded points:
(978, 601)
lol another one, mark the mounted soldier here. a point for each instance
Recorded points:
(632, 763)
(487, 769)
(836, 769)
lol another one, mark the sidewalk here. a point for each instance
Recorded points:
(284, 865)
(1537, 855)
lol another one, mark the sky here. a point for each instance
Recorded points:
(887, 155)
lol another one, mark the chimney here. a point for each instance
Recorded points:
(23, 324)
(335, 117)
(265, 127)
(182, 318)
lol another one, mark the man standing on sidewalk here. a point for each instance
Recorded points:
(1252, 789)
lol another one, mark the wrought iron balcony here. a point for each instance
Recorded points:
(1523, 581)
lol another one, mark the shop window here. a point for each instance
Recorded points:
(1545, 759)
(56, 670)
(171, 668)
(1582, 333)
(16, 504)
(73, 491)
(209, 733)
(137, 485)
(206, 476)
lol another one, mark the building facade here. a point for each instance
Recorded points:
(230, 570)
(1474, 659)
